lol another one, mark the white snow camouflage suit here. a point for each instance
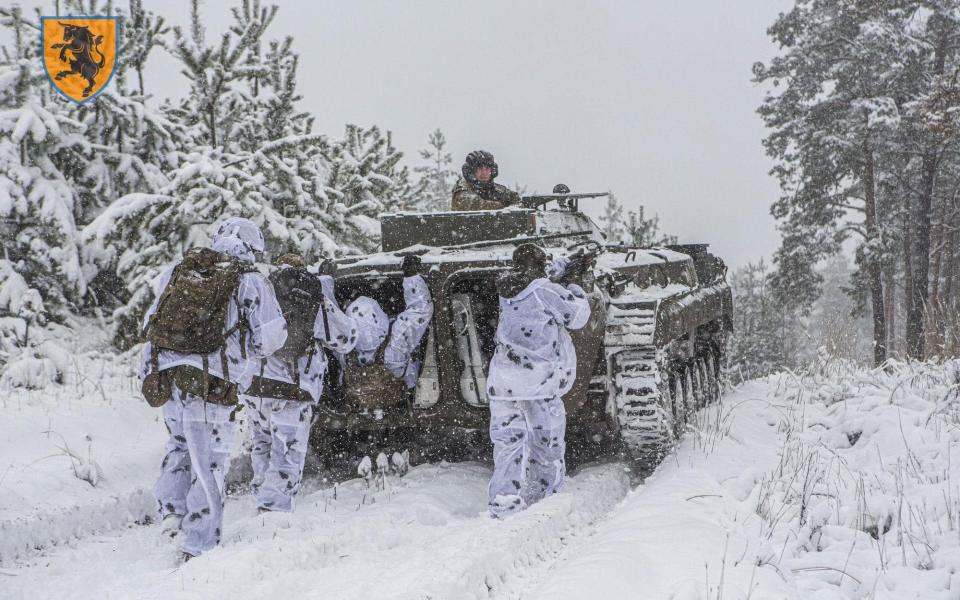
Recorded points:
(191, 482)
(373, 325)
(407, 331)
(280, 427)
(533, 366)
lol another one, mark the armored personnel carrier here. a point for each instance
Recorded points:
(648, 358)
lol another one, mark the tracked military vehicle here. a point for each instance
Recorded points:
(648, 358)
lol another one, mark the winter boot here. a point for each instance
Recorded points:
(170, 526)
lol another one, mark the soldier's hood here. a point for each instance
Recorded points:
(516, 284)
(239, 238)
(372, 325)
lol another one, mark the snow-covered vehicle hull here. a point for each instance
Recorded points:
(648, 357)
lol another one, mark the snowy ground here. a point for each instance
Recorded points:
(838, 484)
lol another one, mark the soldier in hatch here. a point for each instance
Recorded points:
(476, 189)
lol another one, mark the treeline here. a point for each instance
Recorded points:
(96, 198)
(863, 111)
(770, 335)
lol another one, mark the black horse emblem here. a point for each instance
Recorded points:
(81, 43)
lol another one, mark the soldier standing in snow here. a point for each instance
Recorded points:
(281, 398)
(212, 321)
(533, 366)
(476, 189)
(401, 355)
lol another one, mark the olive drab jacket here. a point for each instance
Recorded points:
(467, 197)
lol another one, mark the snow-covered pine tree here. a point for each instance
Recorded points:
(612, 221)
(832, 112)
(249, 151)
(437, 178)
(140, 233)
(931, 140)
(42, 159)
(640, 231)
(129, 144)
(142, 30)
(636, 230)
(364, 175)
(286, 153)
(850, 115)
(765, 332)
(218, 74)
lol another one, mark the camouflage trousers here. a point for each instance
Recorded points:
(528, 452)
(280, 431)
(192, 474)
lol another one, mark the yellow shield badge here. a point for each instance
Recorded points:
(79, 54)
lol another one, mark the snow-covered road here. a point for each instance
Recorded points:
(836, 485)
(424, 535)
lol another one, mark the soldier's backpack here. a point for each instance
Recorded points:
(300, 295)
(368, 387)
(191, 318)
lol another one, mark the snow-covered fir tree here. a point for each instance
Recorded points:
(43, 155)
(640, 231)
(860, 108)
(437, 178)
(635, 230)
(766, 333)
(365, 176)
(612, 220)
(223, 165)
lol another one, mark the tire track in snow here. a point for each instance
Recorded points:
(502, 558)
(426, 536)
(24, 537)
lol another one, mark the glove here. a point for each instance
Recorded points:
(411, 265)
(328, 267)
(557, 267)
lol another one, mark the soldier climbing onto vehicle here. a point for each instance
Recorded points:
(402, 354)
(281, 399)
(476, 190)
(533, 366)
(213, 320)
(386, 360)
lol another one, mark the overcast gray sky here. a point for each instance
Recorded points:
(650, 99)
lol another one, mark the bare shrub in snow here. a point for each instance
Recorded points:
(866, 487)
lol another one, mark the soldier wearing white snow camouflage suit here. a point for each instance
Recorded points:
(533, 366)
(279, 404)
(190, 490)
(401, 355)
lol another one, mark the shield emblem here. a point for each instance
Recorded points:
(79, 54)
